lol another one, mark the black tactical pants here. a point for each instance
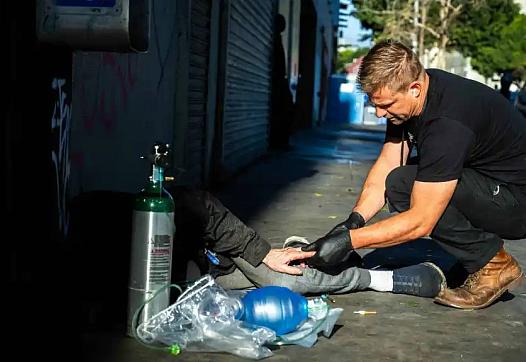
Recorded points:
(481, 212)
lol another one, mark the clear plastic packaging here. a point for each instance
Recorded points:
(204, 319)
(322, 318)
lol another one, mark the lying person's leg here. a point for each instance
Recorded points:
(424, 280)
(311, 281)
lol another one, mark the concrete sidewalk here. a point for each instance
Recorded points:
(307, 190)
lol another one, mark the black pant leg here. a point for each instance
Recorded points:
(472, 225)
(398, 187)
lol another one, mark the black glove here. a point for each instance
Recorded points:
(354, 221)
(331, 250)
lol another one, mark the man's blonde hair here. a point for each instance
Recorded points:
(389, 64)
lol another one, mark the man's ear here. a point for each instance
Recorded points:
(414, 89)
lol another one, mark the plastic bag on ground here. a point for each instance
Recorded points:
(321, 319)
(204, 319)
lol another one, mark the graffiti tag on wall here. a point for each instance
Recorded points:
(103, 104)
(60, 126)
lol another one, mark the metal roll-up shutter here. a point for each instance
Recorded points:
(197, 91)
(248, 81)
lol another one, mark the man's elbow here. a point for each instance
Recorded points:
(424, 231)
(418, 232)
(423, 228)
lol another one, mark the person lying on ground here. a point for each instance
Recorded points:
(239, 258)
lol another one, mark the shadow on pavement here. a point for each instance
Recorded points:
(256, 187)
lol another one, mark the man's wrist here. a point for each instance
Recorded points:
(355, 221)
(351, 246)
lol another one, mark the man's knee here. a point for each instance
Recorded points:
(400, 179)
(398, 185)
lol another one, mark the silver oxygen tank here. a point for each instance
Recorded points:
(153, 230)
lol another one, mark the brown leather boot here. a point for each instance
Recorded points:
(483, 287)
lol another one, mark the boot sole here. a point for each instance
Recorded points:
(510, 286)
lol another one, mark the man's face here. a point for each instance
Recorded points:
(395, 107)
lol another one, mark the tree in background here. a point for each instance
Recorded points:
(491, 32)
(495, 40)
(348, 56)
(416, 22)
(386, 19)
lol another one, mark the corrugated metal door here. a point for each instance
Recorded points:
(247, 81)
(197, 91)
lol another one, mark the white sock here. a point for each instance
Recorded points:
(381, 280)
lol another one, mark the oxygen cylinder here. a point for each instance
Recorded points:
(277, 308)
(153, 229)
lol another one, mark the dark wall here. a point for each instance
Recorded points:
(34, 161)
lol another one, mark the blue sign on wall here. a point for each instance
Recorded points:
(87, 3)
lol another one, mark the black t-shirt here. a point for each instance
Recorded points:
(465, 124)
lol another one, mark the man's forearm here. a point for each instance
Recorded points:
(428, 202)
(371, 201)
(372, 198)
(395, 230)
